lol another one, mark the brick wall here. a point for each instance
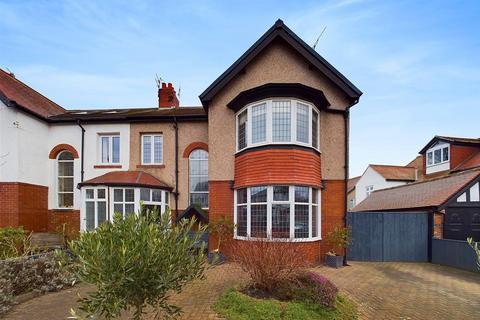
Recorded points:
(220, 204)
(23, 204)
(58, 218)
(273, 166)
(438, 225)
(333, 209)
(458, 154)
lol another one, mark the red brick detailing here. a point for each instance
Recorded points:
(458, 154)
(150, 166)
(62, 147)
(167, 98)
(220, 204)
(438, 225)
(58, 218)
(107, 166)
(23, 204)
(278, 166)
(193, 146)
(333, 209)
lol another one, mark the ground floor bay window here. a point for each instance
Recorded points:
(277, 212)
(101, 202)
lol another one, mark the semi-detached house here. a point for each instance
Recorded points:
(268, 148)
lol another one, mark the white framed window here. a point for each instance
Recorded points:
(124, 201)
(65, 177)
(152, 149)
(154, 199)
(438, 154)
(278, 121)
(368, 190)
(277, 212)
(198, 177)
(109, 148)
(95, 207)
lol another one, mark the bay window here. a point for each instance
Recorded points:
(124, 201)
(277, 212)
(278, 121)
(95, 207)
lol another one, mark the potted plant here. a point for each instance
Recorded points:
(223, 229)
(339, 239)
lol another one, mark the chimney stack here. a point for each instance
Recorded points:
(167, 97)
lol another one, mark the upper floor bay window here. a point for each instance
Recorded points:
(198, 177)
(152, 149)
(65, 176)
(277, 212)
(109, 146)
(278, 121)
(438, 154)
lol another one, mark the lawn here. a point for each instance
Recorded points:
(234, 305)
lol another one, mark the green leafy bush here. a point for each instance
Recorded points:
(339, 239)
(14, 242)
(136, 262)
(476, 249)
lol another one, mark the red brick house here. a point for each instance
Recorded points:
(268, 148)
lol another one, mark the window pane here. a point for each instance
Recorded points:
(280, 193)
(116, 149)
(258, 194)
(158, 149)
(437, 156)
(145, 194)
(105, 149)
(65, 168)
(429, 158)
(65, 184)
(101, 193)
(129, 209)
(166, 197)
(242, 221)
(281, 121)
(101, 212)
(301, 194)
(281, 221)
(118, 208)
(199, 154)
(242, 196)
(198, 184)
(199, 167)
(314, 129)
(200, 199)
(65, 200)
(242, 130)
(301, 221)
(65, 155)
(129, 195)
(445, 154)
(258, 217)
(147, 149)
(259, 123)
(157, 195)
(118, 195)
(90, 215)
(89, 193)
(302, 123)
(314, 196)
(314, 221)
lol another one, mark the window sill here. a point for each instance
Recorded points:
(152, 166)
(436, 164)
(278, 240)
(107, 166)
(64, 209)
(278, 146)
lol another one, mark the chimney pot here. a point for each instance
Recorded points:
(170, 85)
(164, 85)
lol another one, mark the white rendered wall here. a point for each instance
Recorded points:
(371, 177)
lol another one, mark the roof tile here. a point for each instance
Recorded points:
(127, 178)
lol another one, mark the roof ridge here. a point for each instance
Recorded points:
(27, 86)
(392, 165)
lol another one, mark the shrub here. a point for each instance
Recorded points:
(476, 249)
(135, 263)
(269, 263)
(34, 273)
(14, 242)
(339, 239)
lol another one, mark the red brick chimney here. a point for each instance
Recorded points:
(167, 97)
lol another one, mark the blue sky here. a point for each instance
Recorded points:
(417, 62)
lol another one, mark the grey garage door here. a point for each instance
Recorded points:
(388, 236)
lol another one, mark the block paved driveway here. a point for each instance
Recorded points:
(382, 291)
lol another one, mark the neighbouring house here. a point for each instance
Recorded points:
(377, 177)
(351, 189)
(267, 148)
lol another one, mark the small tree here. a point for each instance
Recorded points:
(223, 229)
(339, 239)
(475, 248)
(135, 263)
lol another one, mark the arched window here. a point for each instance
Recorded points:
(198, 177)
(65, 179)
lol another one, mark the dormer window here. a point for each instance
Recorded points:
(438, 155)
(278, 121)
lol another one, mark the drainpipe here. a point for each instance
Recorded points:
(175, 194)
(82, 171)
(346, 118)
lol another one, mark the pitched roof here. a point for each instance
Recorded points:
(352, 182)
(280, 30)
(13, 92)
(427, 193)
(395, 173)
(454, 140)
(192, 113)
(472, 162)
(127, 178)
(196, 211)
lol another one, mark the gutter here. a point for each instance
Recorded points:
(82, 171)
